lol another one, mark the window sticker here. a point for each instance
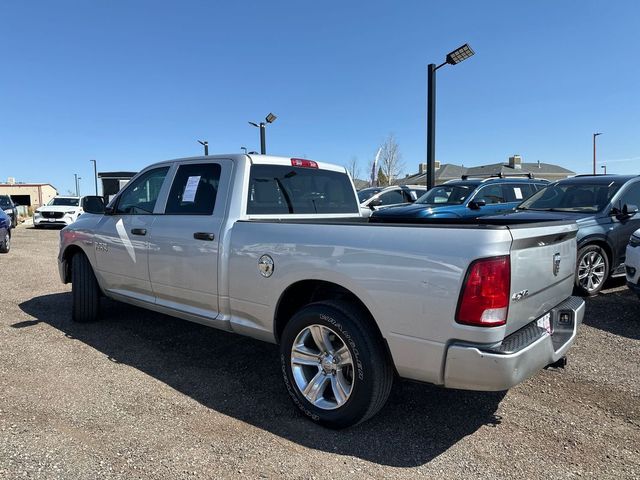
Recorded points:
(518, 193)
(189, 194)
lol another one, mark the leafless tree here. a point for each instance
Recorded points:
(391, 159)
(353, 167)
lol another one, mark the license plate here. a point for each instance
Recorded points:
(52, 219)
(545, 322)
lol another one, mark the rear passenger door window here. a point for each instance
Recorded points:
(518, 192)
(194, 190)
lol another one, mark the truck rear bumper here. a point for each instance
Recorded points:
(518, 357)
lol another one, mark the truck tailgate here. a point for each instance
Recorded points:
(543, 262)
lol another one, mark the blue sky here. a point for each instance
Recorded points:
(133, 82)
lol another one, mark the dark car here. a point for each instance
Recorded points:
(605, 207)
(5, 232)
(10, 208)
(466, 198)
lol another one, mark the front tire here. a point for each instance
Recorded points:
(84, 290)
(592, 270)
(5, 243)
(335, 366)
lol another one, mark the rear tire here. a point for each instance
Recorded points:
(84, 289)
(5, 243)
(345, 377)
(592, 270)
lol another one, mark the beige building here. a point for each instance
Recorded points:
(28, 194)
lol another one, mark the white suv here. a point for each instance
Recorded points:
(373, 198)
(61, 211)
(632, 262)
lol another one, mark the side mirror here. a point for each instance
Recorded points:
(93, 204)
(629, 210)
(476, 204)
(375, 203)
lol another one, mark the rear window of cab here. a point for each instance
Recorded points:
(282, 189)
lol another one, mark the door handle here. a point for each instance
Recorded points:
(139, 231)
(204, 236)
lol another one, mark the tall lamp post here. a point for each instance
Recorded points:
(95, 175)
(77, 178)
(453, 58)
(594, 151)
(262, 126)
(205, 144)
(604, 167)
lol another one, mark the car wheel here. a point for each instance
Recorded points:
(5, 243)
(85, 291)
(592, 270)
(335, 367)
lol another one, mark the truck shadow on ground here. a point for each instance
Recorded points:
(615, 311)
(241, 377)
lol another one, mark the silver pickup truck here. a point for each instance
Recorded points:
(274, 248)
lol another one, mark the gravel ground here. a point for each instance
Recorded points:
(142, 395)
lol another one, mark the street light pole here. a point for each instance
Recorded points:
(95, 175)
(205, 144)
(453, 58)
(605, 168)
(594, 151)
(431, 125)
(263, 139)
(77, 178)
(263, 131)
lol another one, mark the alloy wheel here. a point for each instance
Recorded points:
(322, 367)
(591, 271)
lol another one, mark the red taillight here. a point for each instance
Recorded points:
(301, 162)
(485, 294)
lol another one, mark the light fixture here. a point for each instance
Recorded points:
(270, 118)
(460, 54)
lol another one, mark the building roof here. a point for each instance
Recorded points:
(17, 184)
(448, 171)
(537, 169)
(116, 174)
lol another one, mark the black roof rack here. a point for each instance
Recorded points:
(498, 175)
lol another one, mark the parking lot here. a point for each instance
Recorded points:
(142, 395)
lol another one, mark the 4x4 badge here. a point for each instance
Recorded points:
(556, 264)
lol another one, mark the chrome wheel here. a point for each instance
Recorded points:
(591, 271)
(322, 367)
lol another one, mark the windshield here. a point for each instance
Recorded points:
(65, 202)
(572, 197)
(367, 193)
(447, 195)
(4, 202)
